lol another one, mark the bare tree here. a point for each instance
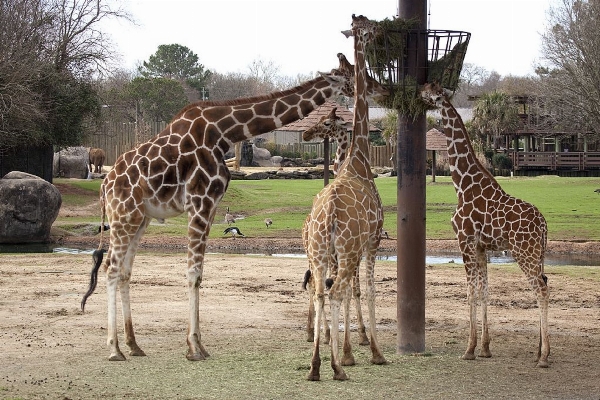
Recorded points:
(571, 70)
(49, 49)
(24, 27)
(78, 44)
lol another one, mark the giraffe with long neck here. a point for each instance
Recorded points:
(183, 169)
(489, 219)
(331, 126)
(345, 223)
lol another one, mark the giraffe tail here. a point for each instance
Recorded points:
(97, 256)
(307, 276)
(103, 211)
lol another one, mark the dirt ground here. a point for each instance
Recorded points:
(253, 313)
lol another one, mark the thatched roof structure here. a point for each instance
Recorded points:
(436, 140)
(311, 119)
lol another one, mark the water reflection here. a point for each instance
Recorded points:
(432, 258)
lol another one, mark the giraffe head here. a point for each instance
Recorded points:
(329, 126)
(332, 127)
(365, 28)
(433, 94)
(375, 90)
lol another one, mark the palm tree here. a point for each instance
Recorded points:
(495, 113)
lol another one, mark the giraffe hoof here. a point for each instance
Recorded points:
(117, 357)
(340, 376)
(137, 352)
(485, 354)
(313, 377)
(364, 342)
(348, 361)
(468, 356)
(379, 360)
(542, 364)
(195, 356)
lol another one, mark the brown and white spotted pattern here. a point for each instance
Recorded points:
(182, 170)
(345, 224)
(489, 219)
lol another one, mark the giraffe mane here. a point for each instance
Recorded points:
(255, 99)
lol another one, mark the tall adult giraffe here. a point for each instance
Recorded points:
(487, 218)
(332, 127)
(345, 223)
(182, 169)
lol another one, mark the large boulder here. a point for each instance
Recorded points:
(261, 157)
(72, 162)
(28, 207)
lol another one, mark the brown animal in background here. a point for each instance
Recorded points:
(97, 157)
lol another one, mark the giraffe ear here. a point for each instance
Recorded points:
(448, 93)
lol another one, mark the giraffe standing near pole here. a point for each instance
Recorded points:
(345, 223)
(332, 127)
(489, 219)
(183, 169)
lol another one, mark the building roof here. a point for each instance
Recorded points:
(436, 140)
(311, 119)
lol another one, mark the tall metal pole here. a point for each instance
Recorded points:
(411, 198)
(326, 161)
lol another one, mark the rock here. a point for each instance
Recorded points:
(28, 207)
(261, 157)
(276, 161)
(71, 162)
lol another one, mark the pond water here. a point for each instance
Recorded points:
(432, 258)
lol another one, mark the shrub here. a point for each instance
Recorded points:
(501, 161)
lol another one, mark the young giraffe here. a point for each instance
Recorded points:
(345, 223)
(487, 218)
(182, 170)
(332, 127)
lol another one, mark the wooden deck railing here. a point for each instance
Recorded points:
(577, 161)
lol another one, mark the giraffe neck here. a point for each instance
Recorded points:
(465, 168)
(237, 120)
(357, 161)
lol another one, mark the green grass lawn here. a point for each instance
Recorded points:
(570, 205)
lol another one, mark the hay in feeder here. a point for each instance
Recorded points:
(387, 58)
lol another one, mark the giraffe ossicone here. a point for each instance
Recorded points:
(344, 224)
(489, 219)
(183, 170)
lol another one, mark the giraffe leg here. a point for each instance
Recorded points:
(363, 339)
(377, 357)
(472, 301)
(315, 364)
(196, 351)
(348, 357)
(310, 324)
(534, 272)
(338, 371)
(482, 286)
(544, 344)
(197, 233)
(112, 280)
(134, 349)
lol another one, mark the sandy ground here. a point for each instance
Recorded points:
(253, 315)
(253, 312)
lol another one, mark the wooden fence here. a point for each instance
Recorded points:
(553, 161)
(116, 138)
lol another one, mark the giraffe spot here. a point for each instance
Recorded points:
(180, 125)
(187, 144)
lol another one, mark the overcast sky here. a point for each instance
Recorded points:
(303, 36)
